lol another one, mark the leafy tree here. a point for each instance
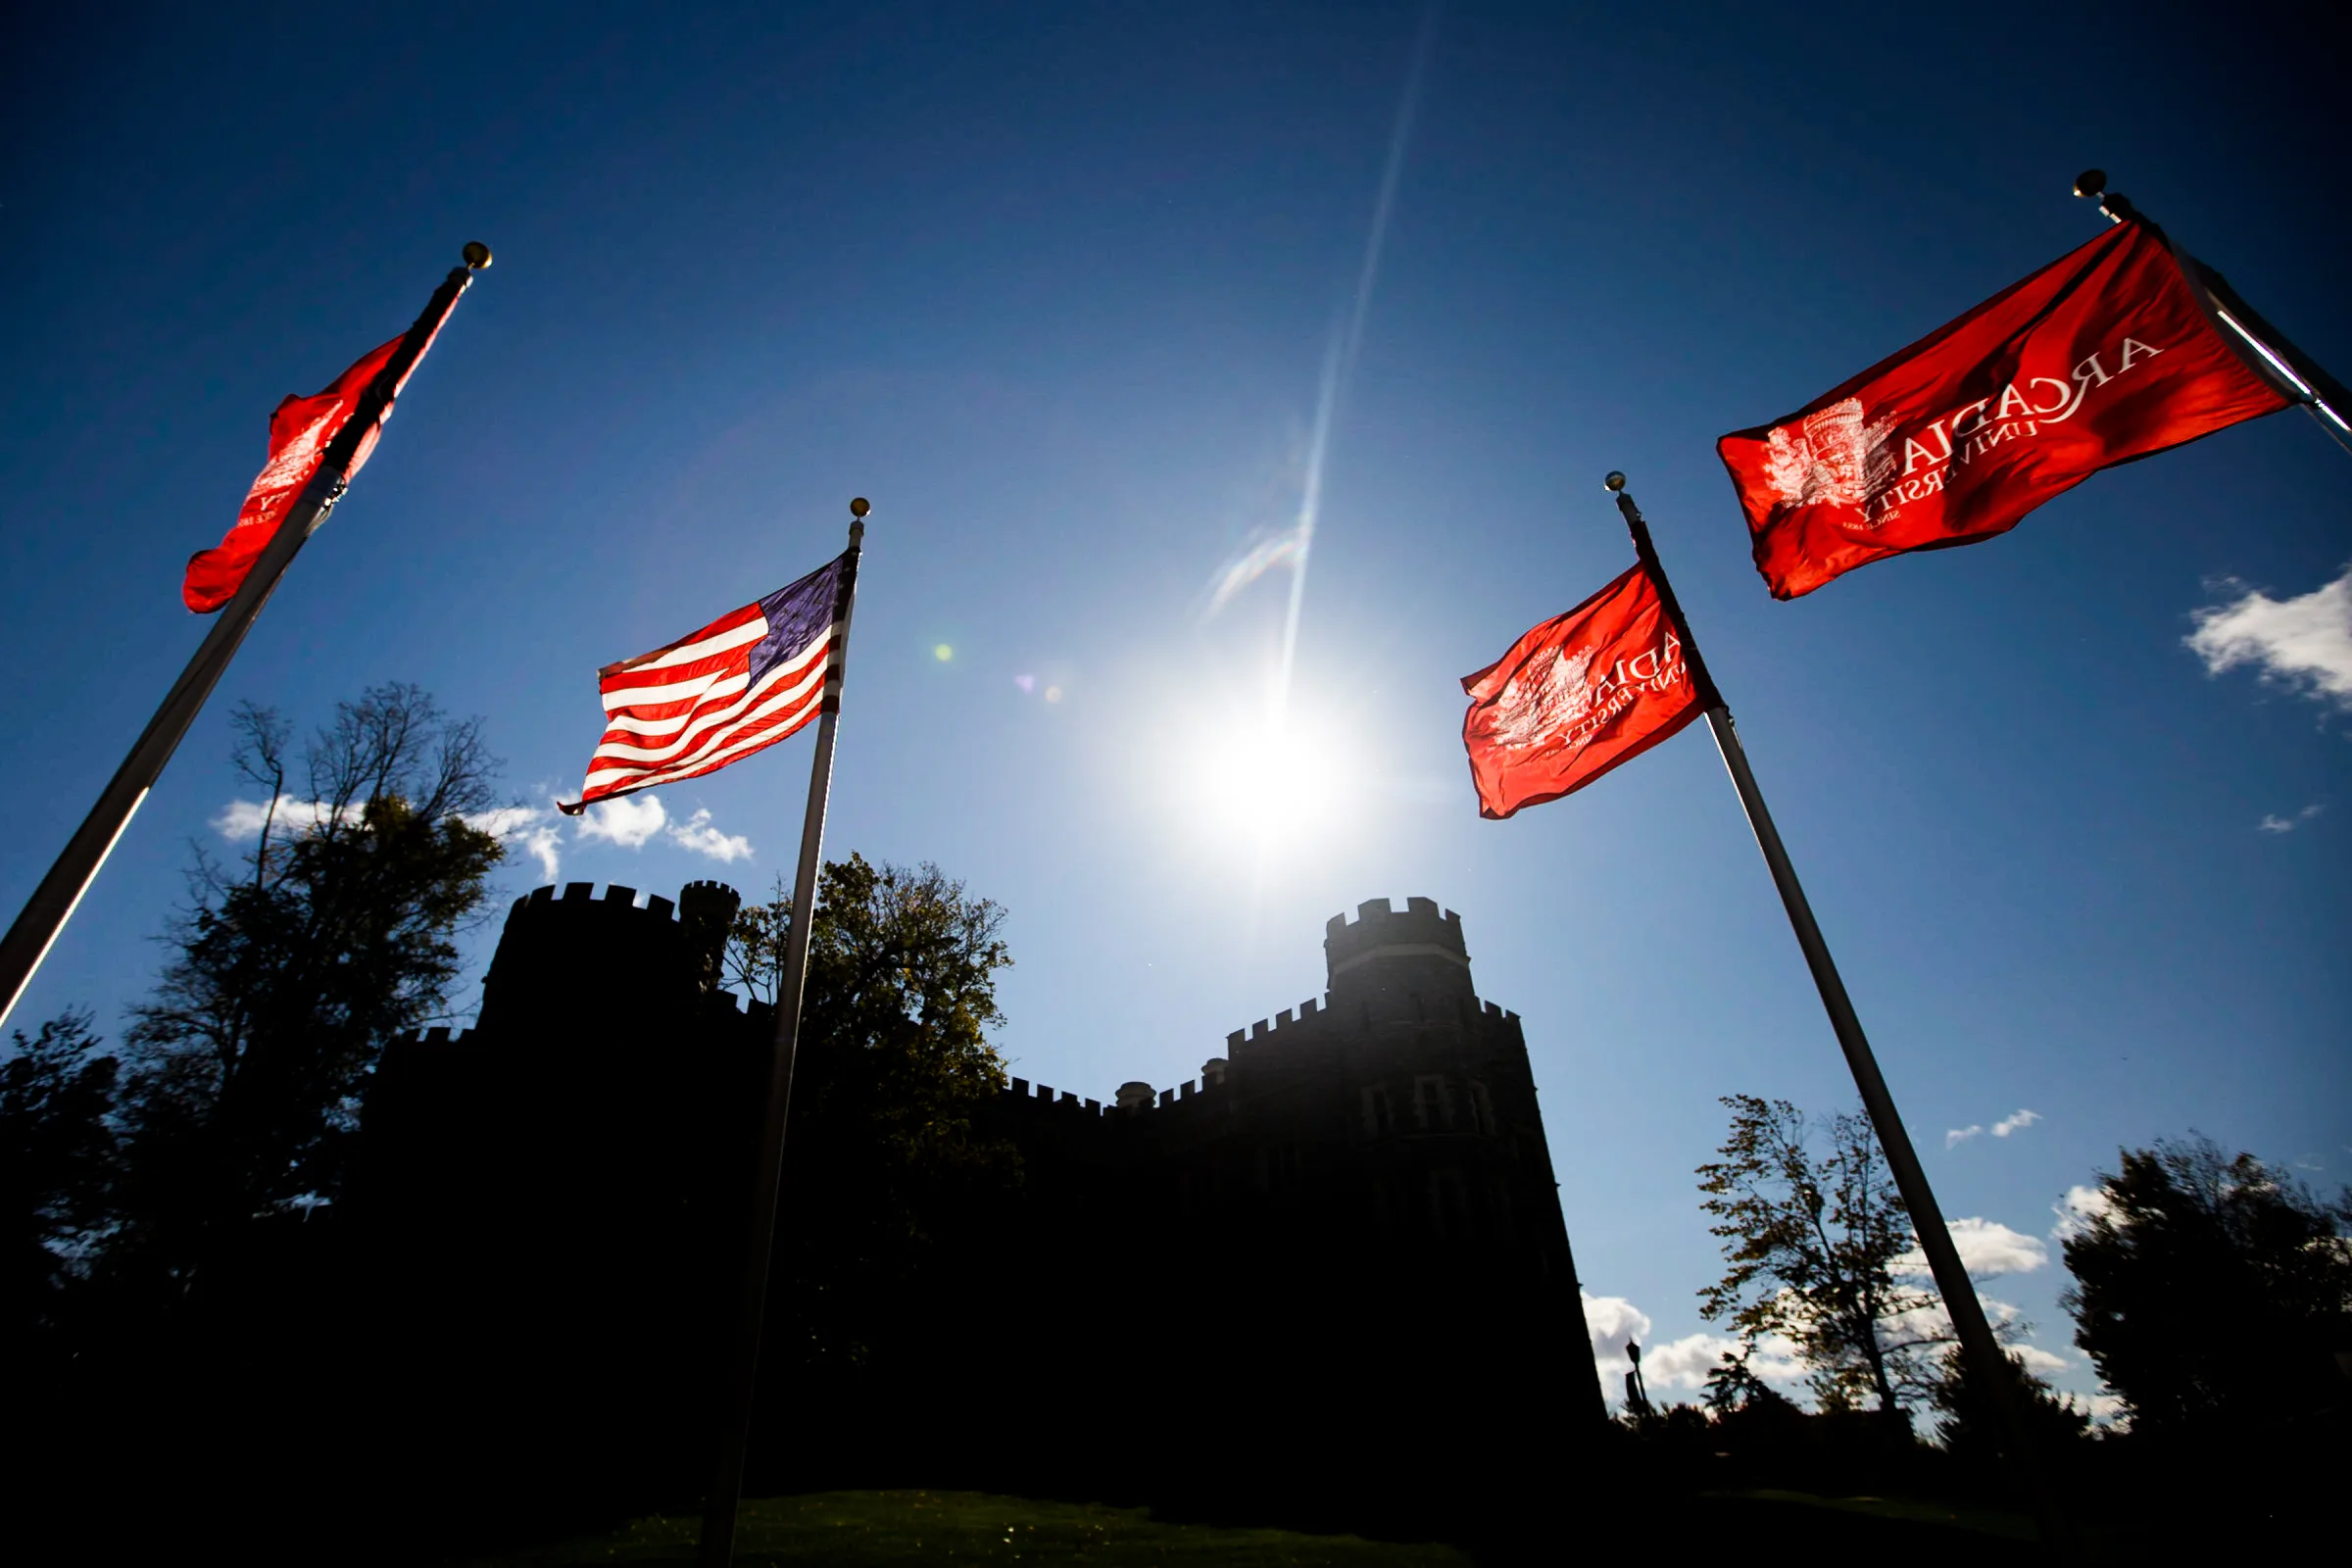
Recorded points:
(754, 949)
(1970, 1428)
(290, 970)
(1812, 1226)
(885, 1166)
(2211, 1289)
(56, 1150)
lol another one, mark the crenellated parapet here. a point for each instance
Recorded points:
(576, 954)
(1420, 930)
(1132, 1099)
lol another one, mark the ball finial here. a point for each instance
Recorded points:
(859, 506)
(1614, 482)
(2091, 183)
(477, 254)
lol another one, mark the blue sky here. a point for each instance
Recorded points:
(1055, 286)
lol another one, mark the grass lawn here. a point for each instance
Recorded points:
(857, 1529)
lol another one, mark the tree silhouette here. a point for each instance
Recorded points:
(2188, 1240)
(57, 1153)
(290, 972)
(886, 1172)
(1812, 1236)
(1970, 1428)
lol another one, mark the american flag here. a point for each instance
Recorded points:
(714, 696)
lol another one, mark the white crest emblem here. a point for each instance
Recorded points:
(1537, 705)
(1833, 455)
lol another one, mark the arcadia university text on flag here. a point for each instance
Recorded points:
(1584, 690)
(2108, 354)
(716, 696)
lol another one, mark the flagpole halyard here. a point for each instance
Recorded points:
(726, 1488)
(1981, 1356)
(59, 892)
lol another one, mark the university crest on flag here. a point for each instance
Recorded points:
(1575, 697)
(2106, 354)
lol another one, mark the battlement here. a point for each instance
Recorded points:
(553, 953)
(1132, 1099)
(542, 903)
(436, 1039)
(1307, 1013)
(1421, 929)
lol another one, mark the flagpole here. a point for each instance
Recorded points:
(59, 892)
(2323, 396)
(1986, 1366)
(726, 1487)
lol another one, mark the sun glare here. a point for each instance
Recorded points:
(1269, 789)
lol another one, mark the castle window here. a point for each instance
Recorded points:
(1450, 1205)
(1429, 1104)
(1482, 1110)
(1378, 1116)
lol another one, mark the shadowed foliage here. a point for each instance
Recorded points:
(2188, 1239)
(290, 970)
(56, 1150)
(1811, 1226)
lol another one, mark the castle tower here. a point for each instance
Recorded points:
(560, 958)
(1390, 968)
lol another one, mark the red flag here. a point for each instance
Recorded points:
(1575, 697)
(300, 432)
(2109, 353)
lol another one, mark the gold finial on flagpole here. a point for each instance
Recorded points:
(477, 254)
(859, 506)
(1614, 482)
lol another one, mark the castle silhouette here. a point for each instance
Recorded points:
(1336, 1260)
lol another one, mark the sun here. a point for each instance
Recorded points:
(1268, 785)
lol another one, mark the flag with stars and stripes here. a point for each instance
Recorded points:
(714, 696)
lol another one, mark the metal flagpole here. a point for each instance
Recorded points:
(54, 901)
(726, 1487)
(2323, 396)
(1987, 1367)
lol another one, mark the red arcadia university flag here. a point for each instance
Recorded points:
(300, 432)
(2108, 354)
(1575, 697)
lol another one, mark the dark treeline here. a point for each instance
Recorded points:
(282, 1273)
(2212, 1294)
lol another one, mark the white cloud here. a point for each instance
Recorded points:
(2109, 1410)
(530, 828)
(633, 821)
(697, 834)
(240, 820)
(2274, 823)
(1956, 1136)
(1683, 1363)
(2076, 1209)
(527, 826)
(2011, 1123)
(2304, 643)
(2038, 1359)
(504, 819)
(540, 843)
(1986, 1249)
(1610, 1321)
(627, 823)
